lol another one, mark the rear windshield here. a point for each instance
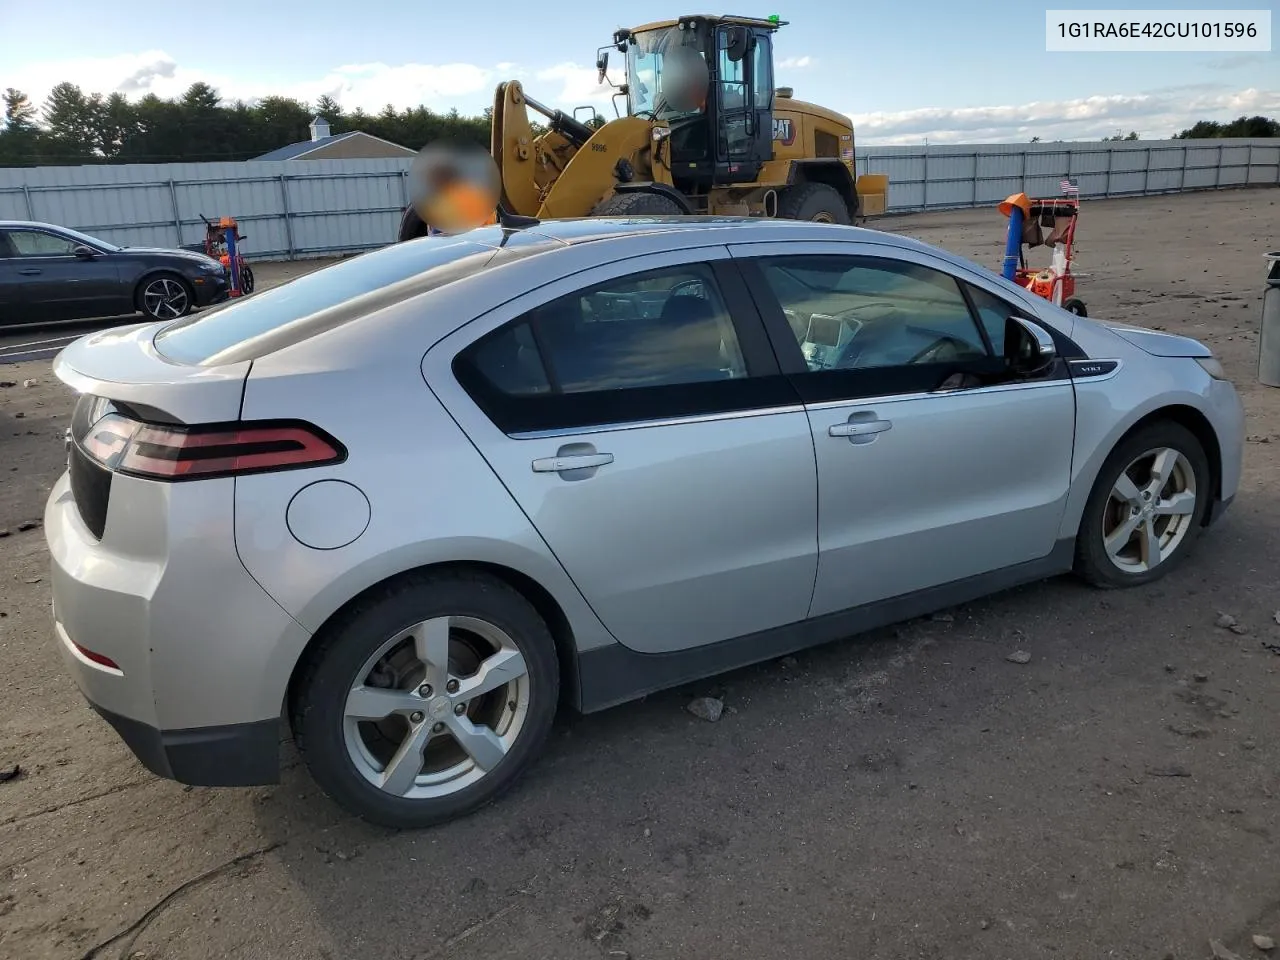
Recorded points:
(311, 304)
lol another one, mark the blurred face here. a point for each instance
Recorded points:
(454, 189)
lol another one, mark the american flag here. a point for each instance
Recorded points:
(1069, 187)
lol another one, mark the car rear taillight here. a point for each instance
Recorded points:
(172, 452)
(101, 659)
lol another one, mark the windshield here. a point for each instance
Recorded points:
(658, 63)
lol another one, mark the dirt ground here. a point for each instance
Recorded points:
(909, 794)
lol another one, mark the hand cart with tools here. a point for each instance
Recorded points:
(1028, 219)
(222, 236)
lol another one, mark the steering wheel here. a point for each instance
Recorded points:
(683, 284)
(930, 353)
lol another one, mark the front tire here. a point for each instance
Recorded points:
(412, 226)
(1076, 306)
(165, 296)
(815, 202)
(427, 699)
(1146, 509)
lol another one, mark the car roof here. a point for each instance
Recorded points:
(688, 231)
(478, 269)
(25, 224)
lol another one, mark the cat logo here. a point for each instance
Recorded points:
(784, 131)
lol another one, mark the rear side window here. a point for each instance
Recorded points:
(309, 305)
(661, 328)
(649, 346)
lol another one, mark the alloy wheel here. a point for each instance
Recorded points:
(1150, 510)
(436, 707)
(165, 299)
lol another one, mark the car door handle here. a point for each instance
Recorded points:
(581, 461)
(30, 272)
(859, 428)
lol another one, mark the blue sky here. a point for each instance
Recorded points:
(905, 71)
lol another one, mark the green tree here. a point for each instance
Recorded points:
(1257, 126)
(21, 140)
(79, 127)
(19, 111)
(330, 110)
(73, 122)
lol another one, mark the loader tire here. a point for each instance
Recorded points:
(411, 226)
(814, 202)
(637, 204)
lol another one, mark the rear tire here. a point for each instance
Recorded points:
(246, 279)
(815, 202)
(638, 203)
(1131, 516)
(385, 652)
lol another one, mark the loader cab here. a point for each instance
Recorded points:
(711, 81)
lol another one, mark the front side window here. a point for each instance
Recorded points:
(37, 243)
(864, 313)
(994, 314)
(664, 327)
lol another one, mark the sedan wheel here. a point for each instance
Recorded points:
(1146, 509)
(427, 699)
(166, 298)
(1149, 511)
(436, 707)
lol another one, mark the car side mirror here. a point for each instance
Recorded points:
(83, 253)
(1029, 348)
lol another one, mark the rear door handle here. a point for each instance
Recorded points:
(581, 461)
(864, 428)
(30, 272)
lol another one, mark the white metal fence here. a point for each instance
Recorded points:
(308, 208)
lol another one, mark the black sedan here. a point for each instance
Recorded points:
(52, 273)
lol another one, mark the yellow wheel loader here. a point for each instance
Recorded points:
(705, 132)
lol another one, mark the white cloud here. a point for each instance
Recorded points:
(578, 86)
(1155, 115)
(796, 63)
(369, 86)
(372, 86)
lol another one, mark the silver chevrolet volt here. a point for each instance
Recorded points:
(408, 505)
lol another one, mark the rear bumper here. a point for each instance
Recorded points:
(167, 635)
(238, 755)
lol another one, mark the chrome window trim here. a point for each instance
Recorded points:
(939, 394)
(666, 422)
(798, 408)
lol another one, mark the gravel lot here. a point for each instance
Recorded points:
(909, 794)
